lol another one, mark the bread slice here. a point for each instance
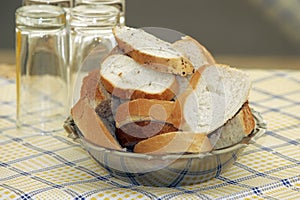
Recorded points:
(126, 79)
(216, 94)
(131, 133)
(151, 51)
(92, 127)
(93, 112)
(175, 142)
(146, 109)
(92, 89)
(194, 51)
(235, 129)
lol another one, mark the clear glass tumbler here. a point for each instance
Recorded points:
(91, 40)
(41, 63)
(119, 4)
(61, 3)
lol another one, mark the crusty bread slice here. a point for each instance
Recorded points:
(93, 112)
(194, 51)
(131, 133)
(91, 126)
(151, 51)
(174, 142)
(235, 129)
(216, 94)
(125, 78)
(146, 109)
(92, 89)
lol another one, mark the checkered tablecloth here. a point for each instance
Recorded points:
(35, 166)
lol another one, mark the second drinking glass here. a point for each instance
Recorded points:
(91, 40)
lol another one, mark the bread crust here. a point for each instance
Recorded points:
(174, 142)
(248, 119)
(179, 65)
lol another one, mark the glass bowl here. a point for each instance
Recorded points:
(167, 170)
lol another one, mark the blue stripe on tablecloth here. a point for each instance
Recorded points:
(271, 96)
(195, 173)
(262, 189)
(11, 117)
(184, 191)
(254, 173)
(272, 146)
(131, 187)
(34, 130)
(129, 175)
(182, 174)
(144, 192)
(63, 186)
(276, 73)
(29, 173)
(65, 140)
(274, 152)
(286, 182)
(278, 110)
(43, 152)
(219, 167)
(15, 190)
(286, 127)
(283, 138)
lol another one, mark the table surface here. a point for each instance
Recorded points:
(35, 166)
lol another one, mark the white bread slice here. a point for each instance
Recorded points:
(151, 51)
(126, 79)
(194, 51)
(217, 93)
(174, 142)
(91, 126)
(233, 131)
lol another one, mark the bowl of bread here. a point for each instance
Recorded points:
(163, 113)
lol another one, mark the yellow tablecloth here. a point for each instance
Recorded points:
(35, 166)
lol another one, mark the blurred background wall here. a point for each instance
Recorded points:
(225, 27)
